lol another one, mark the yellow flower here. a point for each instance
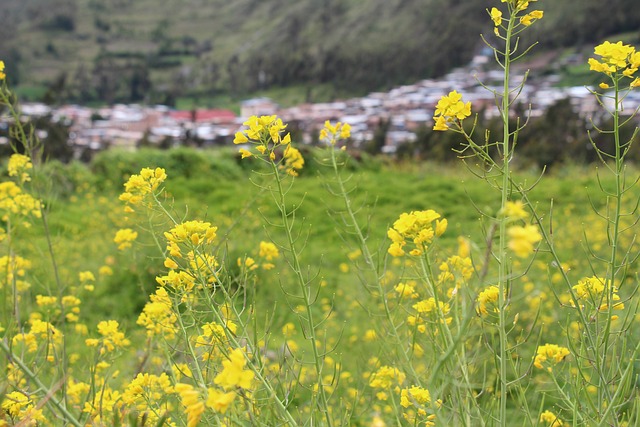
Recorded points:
(124, 237)
(615, 57)
(112, 339)
(414, 395)
(220, 401)
(496, 16)
(245, 153)
(233, 374)
(18, 166)
(240, 138)
(190, 398)
(530, 17)
(293, 161)
(332, 133)
(440, 124)
(158, 317)
(2, 74)
(596, 291)
(522, 239)
(551, 419)
(488, 298)
(514, 210)
(449, 109)
(268, 251)
(385, 377)
(549, 354)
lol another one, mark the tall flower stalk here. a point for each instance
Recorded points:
(265, 139)
(449, 115)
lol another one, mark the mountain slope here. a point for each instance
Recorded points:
(131, 50)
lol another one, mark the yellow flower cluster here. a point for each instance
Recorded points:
(184, 241)
(20, 408)
(124, 237)
(18, 166)
(595, 290)
(14, 201)
(234, 373)
(332, 133)
(40, 332)
(451, 110)
(385, 377)
(426, 308)
(269, 252)
(112, 338)
(293, 161)
(213, 336)
(147, 393)
(416, 397)
(617, 59)
(158, 317)
(142, 185)
(487, 301)
(551, 419)
(14, 268)
(549, 355)
(522, 239)
(416, 227)
(265, 132)
(518, 4)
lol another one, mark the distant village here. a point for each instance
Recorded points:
(405, 108)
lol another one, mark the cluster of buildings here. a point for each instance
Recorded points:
(404, 110)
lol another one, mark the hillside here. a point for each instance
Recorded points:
(145, 50)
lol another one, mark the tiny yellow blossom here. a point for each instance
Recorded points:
(124, 237)
(549, 354)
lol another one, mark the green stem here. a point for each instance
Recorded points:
(306, 295)
(502, 248)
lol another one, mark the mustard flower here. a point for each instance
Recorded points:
(18, 166)
(265, 132)
(189, 233)
(615, 57)
(158, 317)
(146, 388)
(139, 186)
(124, 237)
(488, 299)
(450, 109)
(596, 290)
(522, 239)
(514, 210)
(219, 401)
(416, 227)
(146, 392)
(496, 16)
(551, 419)
(406, 290)
(293, 161)
(414, 395)
(2, 74)
(549, 354)
(13, 268)
(20, 407)
(112, 338)
(530, 17)
(13, 201)
(194, 406)
(103, 403)
(332, 133)
(233, 374)
(386, 377)
(268, 251)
